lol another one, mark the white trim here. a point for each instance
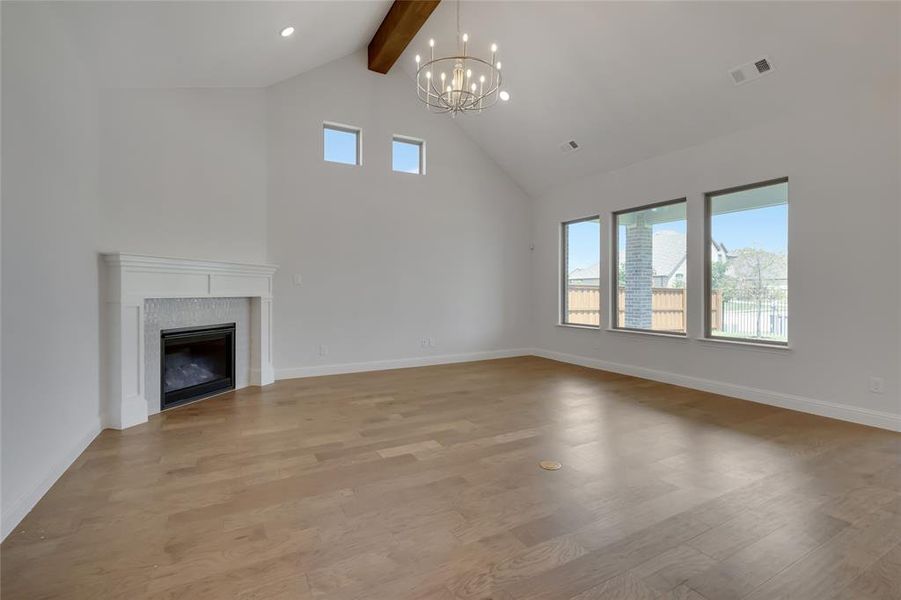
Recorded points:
(834, 410)
(166, 264)
(577, 326)
(18, 509)
(663, 334)
(397, 363)
(744, 344)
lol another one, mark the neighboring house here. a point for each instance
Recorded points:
(589, 275)
(669, 260)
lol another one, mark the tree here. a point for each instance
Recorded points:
(754, 273)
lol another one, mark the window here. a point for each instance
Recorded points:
(341, 144)
(408, 155)
(651, 257)
(581, 272)
(747, 263)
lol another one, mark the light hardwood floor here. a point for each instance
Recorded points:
(423, 483)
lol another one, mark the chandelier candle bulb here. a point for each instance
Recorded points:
(481, 91)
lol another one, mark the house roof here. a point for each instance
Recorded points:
(589, 272)
(669, 253)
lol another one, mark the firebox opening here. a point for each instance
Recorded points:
(196, 362)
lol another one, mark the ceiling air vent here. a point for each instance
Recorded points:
(751, 71)
(570, 146)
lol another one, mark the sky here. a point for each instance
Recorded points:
(763, 228)
(583, 239)
(341, 147)
(405, 157)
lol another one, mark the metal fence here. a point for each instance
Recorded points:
(755, 315)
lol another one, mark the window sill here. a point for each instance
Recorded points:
(749, 345)
(574, 326)
(672, 336)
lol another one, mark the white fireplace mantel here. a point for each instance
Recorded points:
(133, 278)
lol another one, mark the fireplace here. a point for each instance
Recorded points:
(196, 362)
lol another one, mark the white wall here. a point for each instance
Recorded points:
(183, 173)
(50, 331)
(842, 160)
(387, 258)
(162, 172)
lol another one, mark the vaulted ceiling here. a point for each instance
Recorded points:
(633, 80)
(626, 80)
(215, 44)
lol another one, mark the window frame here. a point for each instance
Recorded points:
(406, 139)
(614, 268)
(564, 272)
(708, 238)
(358, 133)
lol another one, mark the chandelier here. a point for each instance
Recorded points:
(461, 82)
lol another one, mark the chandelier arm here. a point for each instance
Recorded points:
(440, 102)
(461, 93)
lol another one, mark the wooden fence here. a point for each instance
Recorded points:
(667, 307)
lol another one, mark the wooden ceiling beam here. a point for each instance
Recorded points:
(399, 27)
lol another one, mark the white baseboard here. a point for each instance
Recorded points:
(18, 509)
(834, 410)
(398, 363)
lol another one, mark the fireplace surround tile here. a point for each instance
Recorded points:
(172, 313)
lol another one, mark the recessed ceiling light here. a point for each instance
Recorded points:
(505, 95)
(287, 31)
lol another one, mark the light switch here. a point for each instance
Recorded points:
(297, 279)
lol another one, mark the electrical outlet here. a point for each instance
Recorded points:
(432, 342)
(323, 350)
(877, 385)
(297, 279)
(424, 343)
